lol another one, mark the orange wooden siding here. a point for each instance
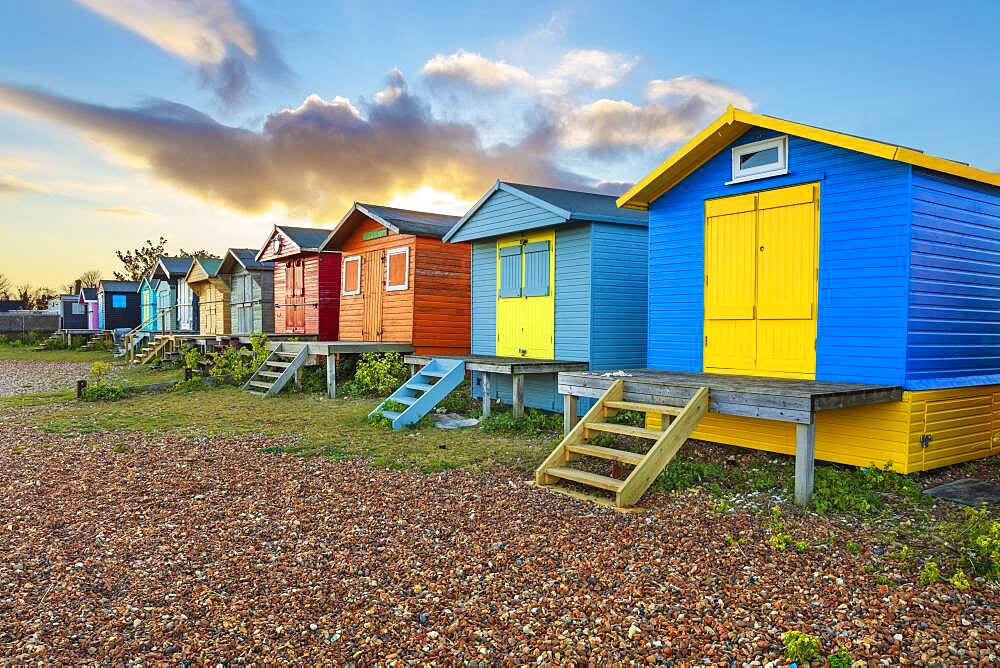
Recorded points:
(433, 312)
(319, 300)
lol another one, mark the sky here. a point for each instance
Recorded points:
(207, 121)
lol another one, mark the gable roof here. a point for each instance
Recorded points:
(153, 283)
(210, 265)
(88, 294)
(401, 221)
(306, 238)
(734, 122)
(119, 286)
(570, 205)
(172, 266)
(246, 258)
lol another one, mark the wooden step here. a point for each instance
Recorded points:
(278, 365)
(422, 387)
(392, 415)
(282, 353)
(409, 401)
(586, 478)
(624, 430)
(643, 408)
(601, 452)
(263, 386)
(268, 374)
(434, 373)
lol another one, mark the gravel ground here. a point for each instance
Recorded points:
(130, 548)
(36, 376)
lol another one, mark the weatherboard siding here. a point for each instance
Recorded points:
(484, 297)
(572, 292)
(502, 214)
(618, 295)
(954, 290)
(442, 307)
(864, 239)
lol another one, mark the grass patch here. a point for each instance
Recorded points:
(25, 354)
(314, 426)
(532, 423)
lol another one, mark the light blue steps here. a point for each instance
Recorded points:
(423, 391)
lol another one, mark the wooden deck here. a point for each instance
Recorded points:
(781, 399)
(515, 367)
(786, 400)
(331, 348)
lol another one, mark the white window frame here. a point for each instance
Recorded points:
(343, 276)
(405, 250)
(761, 171)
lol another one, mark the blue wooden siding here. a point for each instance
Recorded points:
(954, 315)
(864, 239)
(484, 297)
(618, 297)
(573, 291)
(503, 214)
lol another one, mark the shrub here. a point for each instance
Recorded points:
(379, 419)
(99, 371)
(238, 364)
(800, 646)
(977, 537)
(959, 580)
(850, 491)
(458, 400)
(841, 658)
(683, 474)
(192, 357)
(929, 574)
(313, 379)
(103, 391)
(185, 386)
(532, 423)
(379, 374)
(780, 541)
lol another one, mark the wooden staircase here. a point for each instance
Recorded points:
(279, 368)
(94, 340)
(150, 351)
(423, 391)
(645, 467)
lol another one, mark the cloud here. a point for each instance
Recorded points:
(587, 68)
(713, 94)
(314, 159)
(218, 37)
(476, 71)
(11, 185)
(126, 212)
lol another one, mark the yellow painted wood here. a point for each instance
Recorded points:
(963, 424)
(761, 283)
(526, 325)
(734, 122)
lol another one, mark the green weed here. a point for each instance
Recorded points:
(800, 646)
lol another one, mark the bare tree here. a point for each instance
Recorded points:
(5, 287)
(90, 279)
(137, 262)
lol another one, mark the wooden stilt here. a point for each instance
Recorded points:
(487, 394)
(517, 380)
(570, 417)
(331, 376)
(805, 459)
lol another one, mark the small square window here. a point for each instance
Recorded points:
(351, 275)
(117, 301)
(397, 269)
(760, 159)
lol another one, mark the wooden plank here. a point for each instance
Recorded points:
(805, 461)
(331, 376)
(663, 450)
(487, 394)
(625, 430)
(589, 497)
(600, 452)
(559, 456)
(570, 417)
(586, 478)
(659, 409)
(517, 391)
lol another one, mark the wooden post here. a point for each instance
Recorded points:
(517, 380)
(414, 369)
(805, 459)
(570, 417)
(331, 376)
(487, 394)
(298, 377)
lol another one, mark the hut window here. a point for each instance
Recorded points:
(536, 269)
(117, 301)
(510, 271)
(397, 269)
(760, 159)
(79, 309)
(351, 275)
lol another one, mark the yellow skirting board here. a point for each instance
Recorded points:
(962, 424)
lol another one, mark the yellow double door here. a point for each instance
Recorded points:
(526, 284)
(761, 283)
